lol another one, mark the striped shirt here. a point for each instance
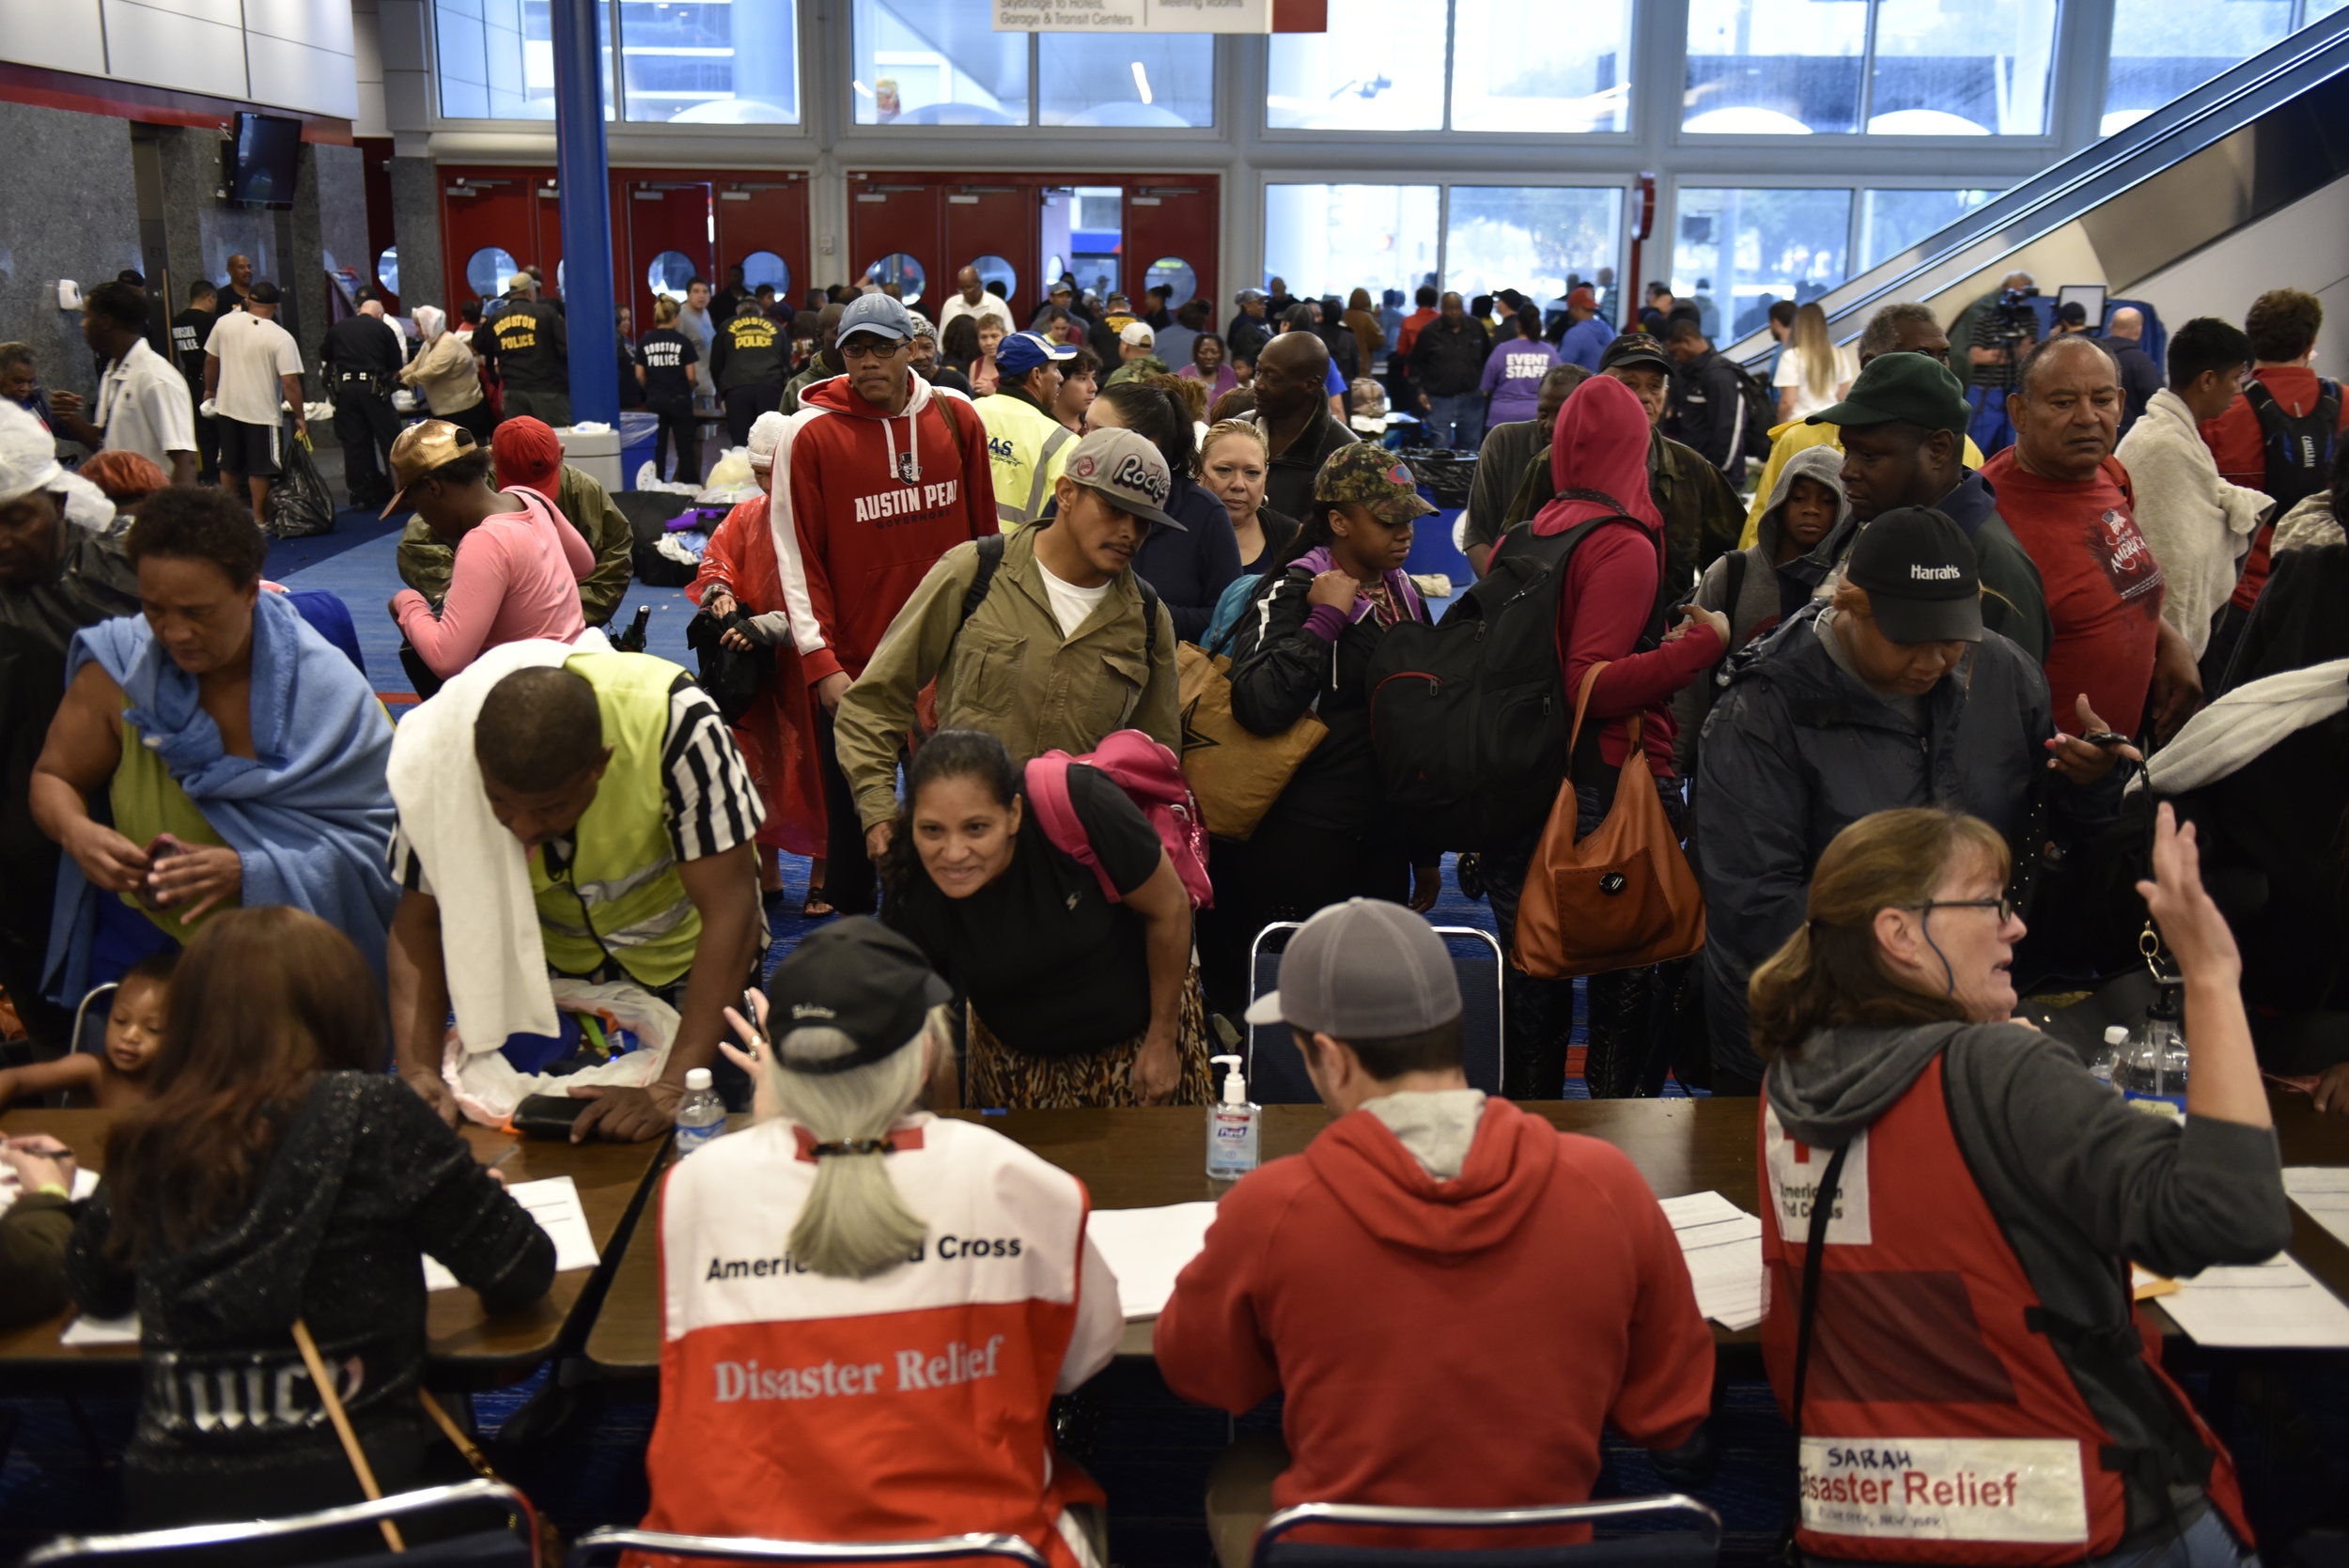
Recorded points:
(712, 804)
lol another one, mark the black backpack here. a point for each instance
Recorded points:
(1470, 717)
(2299, 450)
(1757, 411)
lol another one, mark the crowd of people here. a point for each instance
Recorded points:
(1956, 709)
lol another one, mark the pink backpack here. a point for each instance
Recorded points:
(1153, 780)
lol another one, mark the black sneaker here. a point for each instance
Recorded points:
(1468, 872)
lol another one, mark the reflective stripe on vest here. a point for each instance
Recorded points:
(1025, 447)
(621, 898)
(1939, 1408)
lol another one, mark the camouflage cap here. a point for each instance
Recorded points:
(1370, 474)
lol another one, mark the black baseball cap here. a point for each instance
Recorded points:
(263, 293)
(859, 977)
(1914, 388)
(1918, 568)
(1635, 348)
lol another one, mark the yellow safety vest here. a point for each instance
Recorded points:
(620, 898)
(1027, 448)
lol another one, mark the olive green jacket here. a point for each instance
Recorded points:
(425, 562)
(1008, 670)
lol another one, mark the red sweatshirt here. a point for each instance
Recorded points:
(1455, 1343)
(1600, 445)
(874, 500)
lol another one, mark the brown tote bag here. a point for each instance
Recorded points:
(1236, 773)
(1622, 898)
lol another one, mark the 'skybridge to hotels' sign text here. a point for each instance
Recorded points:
(1133, 16)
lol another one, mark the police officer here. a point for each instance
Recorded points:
(189, 328)
(750, 356)
(524, 344)
(362, 355)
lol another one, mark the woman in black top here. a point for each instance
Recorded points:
(279, 1178)
(1191, 566)
(1305, 642)
(1075, 1000)
(665, 368)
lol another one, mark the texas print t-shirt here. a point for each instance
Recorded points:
(2104, 585)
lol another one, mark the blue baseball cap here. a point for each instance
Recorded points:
(877, 313)
(1021, 352)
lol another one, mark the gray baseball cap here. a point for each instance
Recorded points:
(877, 313)
(1127, 469)
(1364, 970)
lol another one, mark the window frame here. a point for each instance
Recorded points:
(1626, 188)
(1222, 62)
(2060, 43)
(616, 123)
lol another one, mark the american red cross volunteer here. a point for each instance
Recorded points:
(870, 1350)
(1977, 1390)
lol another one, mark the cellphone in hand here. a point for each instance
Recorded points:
(158, 849)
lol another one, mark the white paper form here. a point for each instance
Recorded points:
(2274, 1305)
(88, 1330)
(1722, 1247)
(554, 1204)
(2323, 1191)
(1146, 1248)
(84, 1183)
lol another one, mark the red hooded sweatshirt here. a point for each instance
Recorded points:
(871, 502)
(1451, 1343)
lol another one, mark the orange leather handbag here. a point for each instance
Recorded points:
(1622, 898)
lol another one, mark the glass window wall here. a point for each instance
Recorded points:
(496, 59)
(1940, 68)
(936, 62)
(1515, 69)
(711, 62)
(1891, 221)
(1532, 239)
(1334, 239)
(2163, 49)
(1736, 252)
(1379, 66)
(1149, 79)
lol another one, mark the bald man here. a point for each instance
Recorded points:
(971, 299)
(2141, 378)
(238, 287)
(1292, 411)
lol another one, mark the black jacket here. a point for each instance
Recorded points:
(1247, 336)
(364, 345)
(1801, 750)
(1446, 363)
(364, 1178)
(1280, 671)
(1710, 398)
(525, 344)
(1191, 566)
(750, 350)
(1288, 487)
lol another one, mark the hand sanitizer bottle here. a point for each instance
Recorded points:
(1231, 1127)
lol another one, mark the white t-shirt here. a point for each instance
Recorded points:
(989, 305)
(1790, 375)
(253, 355)
(1072, 606)
(143, 407)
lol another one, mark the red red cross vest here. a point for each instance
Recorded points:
(1942, 1422)
(914, 1404)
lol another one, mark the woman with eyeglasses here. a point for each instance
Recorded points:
(1970, 1307)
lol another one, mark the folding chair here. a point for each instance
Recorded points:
(1276, 1071)
(89, 1018)
(603, 1546)
(516, 1547)
(1698, 1547)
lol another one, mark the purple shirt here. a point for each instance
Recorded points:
(1512, 374)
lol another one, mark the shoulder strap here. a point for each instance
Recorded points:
(991, 557)
(2329, 405)
(1807, 1311)
(1736, 579)
(1047, 781)
(954, 436)
(2261, 400)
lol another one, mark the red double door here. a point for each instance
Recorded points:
(668, 226)
(932, 226)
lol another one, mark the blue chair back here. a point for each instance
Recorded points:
(1276, 1070)
(1643, 1546)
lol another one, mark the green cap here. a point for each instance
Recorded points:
(1369, 473)
(1912, 387)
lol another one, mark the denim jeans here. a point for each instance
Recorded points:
(1456, 421)
(1631, 1012)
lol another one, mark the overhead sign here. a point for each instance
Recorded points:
(1133, 16)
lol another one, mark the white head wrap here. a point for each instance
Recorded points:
(28, 455)
(766, 435)
(430, 321)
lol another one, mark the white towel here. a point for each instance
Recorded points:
(495, 960)
(2199, 525)
(2245, 723)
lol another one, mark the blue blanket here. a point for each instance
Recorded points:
(309, 812)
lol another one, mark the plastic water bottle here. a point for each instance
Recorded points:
(701, 1116)
(2107, 1061)
(2151, 1074)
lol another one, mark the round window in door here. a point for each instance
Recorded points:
(767, 267)
(487, 269)
(901, 270)
(1175, 273)
(387, 270)
(670, 274)
(995, 270)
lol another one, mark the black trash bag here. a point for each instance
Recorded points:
(299, 506)
(732, 677)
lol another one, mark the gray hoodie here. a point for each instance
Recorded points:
(1766, 591)
(2076, 1179)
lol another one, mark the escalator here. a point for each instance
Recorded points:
(2193, 175)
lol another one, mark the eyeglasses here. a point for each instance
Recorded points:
(2005, 906)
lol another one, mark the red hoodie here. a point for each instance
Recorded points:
(1451, 1343)
(872, 501)
(1600, 443)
